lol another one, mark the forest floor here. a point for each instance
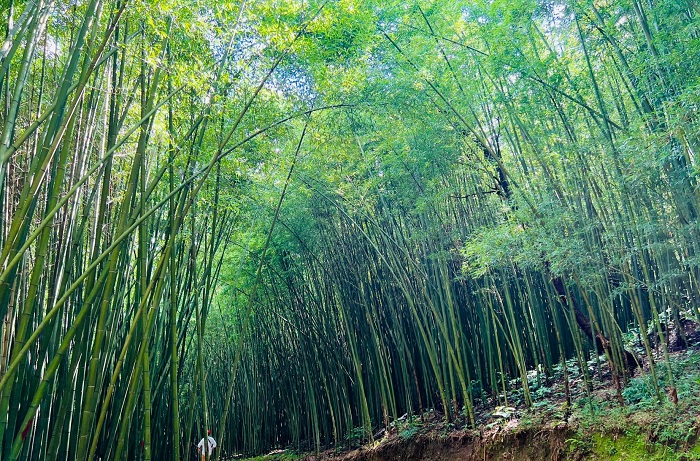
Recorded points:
(594, 427)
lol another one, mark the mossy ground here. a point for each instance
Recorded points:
(634, 446)
(644, 428)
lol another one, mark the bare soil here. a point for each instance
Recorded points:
(525, 445)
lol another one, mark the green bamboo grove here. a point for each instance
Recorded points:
(295, 222)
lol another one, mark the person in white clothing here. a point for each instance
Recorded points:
(210, 442)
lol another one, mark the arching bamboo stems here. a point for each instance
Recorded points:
(251, 295)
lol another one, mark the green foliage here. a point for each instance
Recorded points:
(640, 393)
(286, 455)
(356, 437)
(409, 432)
(409, 428)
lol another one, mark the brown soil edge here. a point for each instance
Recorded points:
(555, 441)
(549, 443)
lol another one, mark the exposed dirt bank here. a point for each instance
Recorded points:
(543, 444)
(554, 443)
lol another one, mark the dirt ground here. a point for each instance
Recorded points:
(528, 445)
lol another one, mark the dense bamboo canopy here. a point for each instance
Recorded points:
(294, 221)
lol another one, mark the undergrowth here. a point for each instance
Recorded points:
(657, 429)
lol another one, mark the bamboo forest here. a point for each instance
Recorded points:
(454, 229)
